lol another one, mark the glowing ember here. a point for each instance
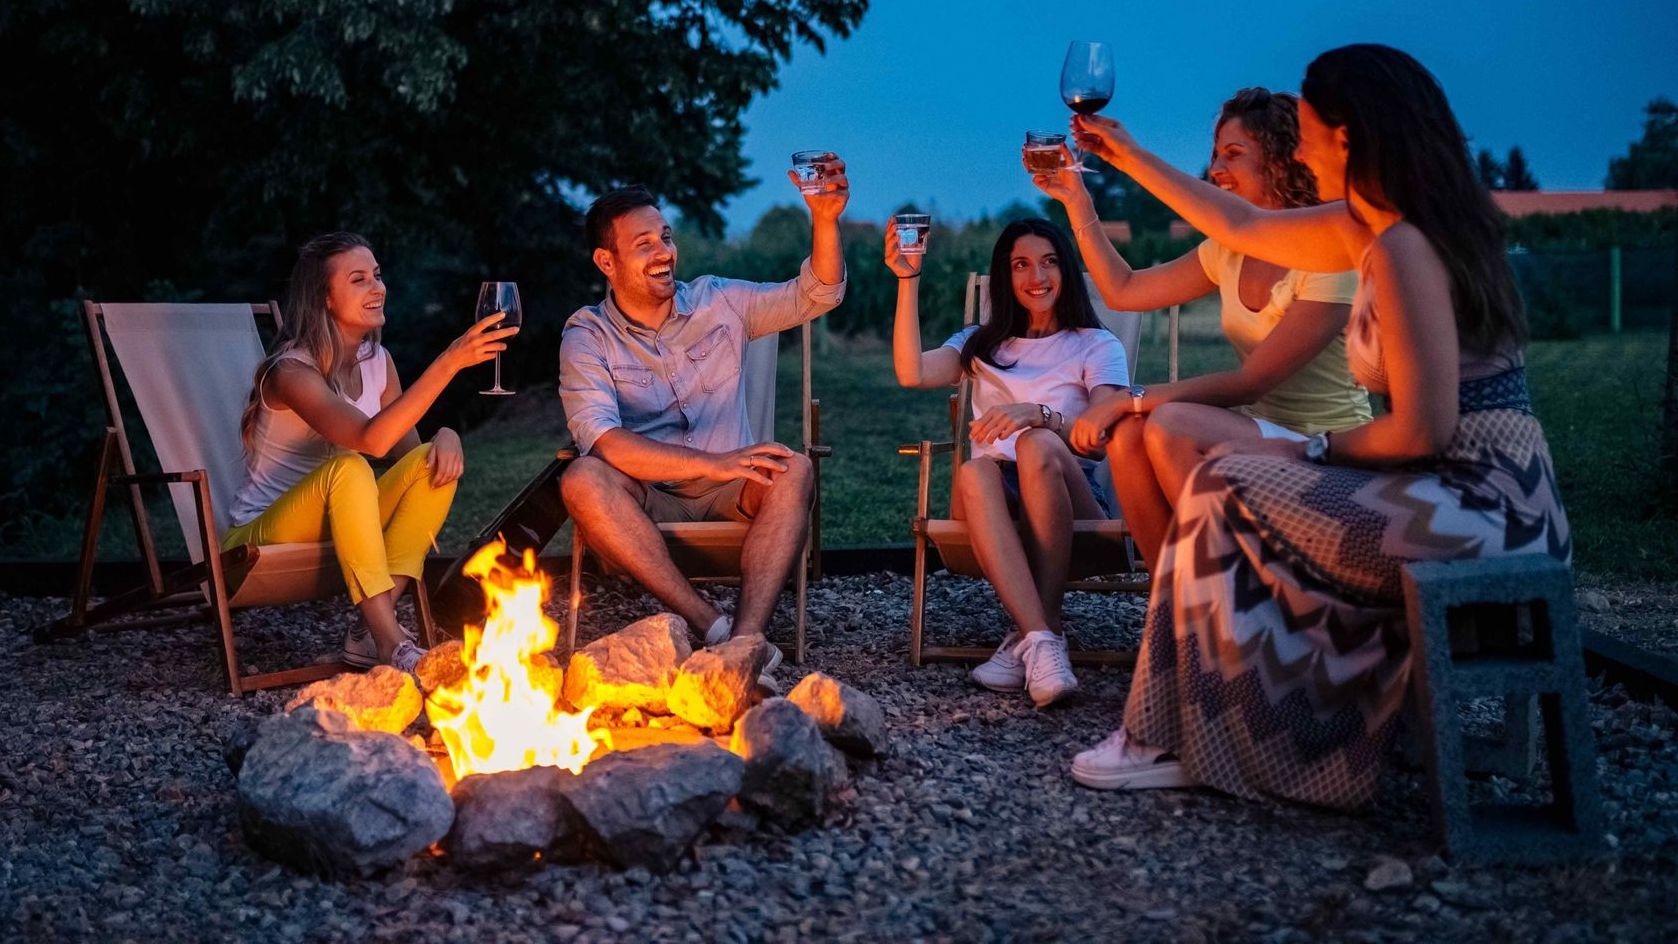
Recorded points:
(502, 714)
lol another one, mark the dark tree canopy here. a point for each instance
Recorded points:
(1512, 173)
(145, 138)
(1489, 169)
(1516, 174)
(177, 149)
(1651, 163)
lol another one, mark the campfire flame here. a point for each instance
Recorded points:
(502, 715)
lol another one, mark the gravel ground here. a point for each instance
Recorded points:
(118, 818)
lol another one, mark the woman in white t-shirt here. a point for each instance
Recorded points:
(1287, 325)
(1039, 362)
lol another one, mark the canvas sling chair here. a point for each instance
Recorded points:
(1100, 547)
(189, 368)
(710, 550)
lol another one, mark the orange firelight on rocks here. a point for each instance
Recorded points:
(503, 714)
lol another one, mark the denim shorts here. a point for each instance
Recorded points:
(1011, 483)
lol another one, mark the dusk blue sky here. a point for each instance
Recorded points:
(928, 101)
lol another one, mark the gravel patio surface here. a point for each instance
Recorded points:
(118, 817)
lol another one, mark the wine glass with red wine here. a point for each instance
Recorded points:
(499, 298)
(1086, 82)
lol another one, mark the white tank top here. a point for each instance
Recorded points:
(284, 448)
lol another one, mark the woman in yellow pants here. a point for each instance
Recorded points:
(326, 397)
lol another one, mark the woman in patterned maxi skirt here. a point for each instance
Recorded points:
(1275, 655)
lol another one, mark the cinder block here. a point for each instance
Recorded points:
(1503, 626)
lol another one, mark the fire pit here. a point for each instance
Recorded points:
(624, 755)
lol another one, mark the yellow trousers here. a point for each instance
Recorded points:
(378, 526)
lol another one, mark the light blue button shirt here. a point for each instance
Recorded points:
(681, 384)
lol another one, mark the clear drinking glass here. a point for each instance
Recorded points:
(1086, 81)
(912, 229)
(499, 298)
(807, 167)
(1043, 151)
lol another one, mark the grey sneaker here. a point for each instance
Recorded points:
(406, 657)
(1003, 671)
(359, 648)
(1048, 670)
(719, 631)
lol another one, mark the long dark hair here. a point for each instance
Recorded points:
(1271, 119)
(307, 324)
(1407, 154)
(1007, 318)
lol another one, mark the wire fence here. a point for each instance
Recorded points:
(1570, 293)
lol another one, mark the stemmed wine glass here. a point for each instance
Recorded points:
(499, 298)
(1086, 83)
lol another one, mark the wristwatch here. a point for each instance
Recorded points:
(1316, 449)
(1136, 394)
(1048, 414)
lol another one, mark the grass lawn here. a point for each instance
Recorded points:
(1599, 399)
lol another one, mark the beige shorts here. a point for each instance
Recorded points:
(695, 500)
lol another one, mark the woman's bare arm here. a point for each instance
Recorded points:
(1322, 238)
(1418, 334)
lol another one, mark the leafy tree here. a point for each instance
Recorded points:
(1117, 197)
(174, 148)
(1516, 174)
(1489, 170)
(1651, 163)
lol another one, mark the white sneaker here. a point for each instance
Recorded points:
(406, 657)
(1119, 764)
(1048, 671)
(1003, 671)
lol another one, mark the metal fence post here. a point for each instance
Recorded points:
(1614, 289)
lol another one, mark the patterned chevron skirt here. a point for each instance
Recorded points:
(1275, 656)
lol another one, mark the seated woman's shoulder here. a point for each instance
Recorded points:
(1403, 244)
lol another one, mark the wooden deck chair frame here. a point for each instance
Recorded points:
(210, 588)
(1095, 544)
(710, 550)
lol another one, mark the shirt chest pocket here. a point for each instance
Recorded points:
(715, 359)
(637, 389)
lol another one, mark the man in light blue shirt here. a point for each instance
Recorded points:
(651, 383)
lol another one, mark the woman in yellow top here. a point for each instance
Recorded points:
(1287, 325)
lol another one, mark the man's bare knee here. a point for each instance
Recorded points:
(800, 475)
(587, 480)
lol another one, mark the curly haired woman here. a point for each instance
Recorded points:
(1287, 325)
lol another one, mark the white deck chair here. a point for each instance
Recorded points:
(189, 368)
(1099, 547)
(710, 550)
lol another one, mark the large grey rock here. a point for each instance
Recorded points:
(715, 686)
(237, 736)
(850, 719)
(320, 795)
(380, 699)
(503, 820)
(646, 807)
(632, 668)
(791, 770)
